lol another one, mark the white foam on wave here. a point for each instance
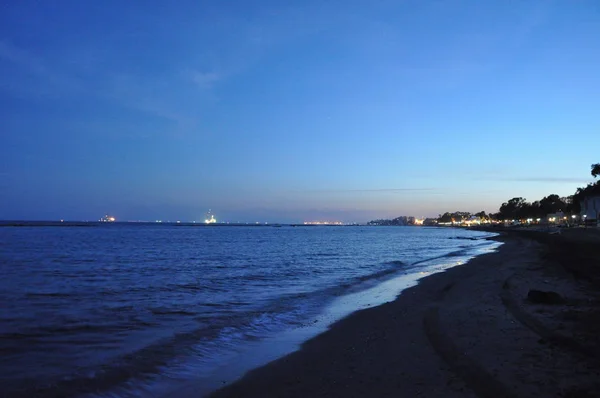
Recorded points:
(193, 378)
(211, 364)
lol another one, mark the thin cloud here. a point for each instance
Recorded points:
(497, 176)
(205, 80)
(158, 98)
(5, 179)
(19, 57)
(373, 190)
(548, 179)
(49, 78)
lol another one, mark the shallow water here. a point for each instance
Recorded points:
(114, 308)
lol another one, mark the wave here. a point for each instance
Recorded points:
(291, 310)
(73, 329)
(464, 251)
(166, 311)
(212, 335)
(210, 340)
(396, 262)
(395, 267)
(48, 294)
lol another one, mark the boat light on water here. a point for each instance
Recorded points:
(108, 218)
(210, 218)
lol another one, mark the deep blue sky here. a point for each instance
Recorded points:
(274, 111)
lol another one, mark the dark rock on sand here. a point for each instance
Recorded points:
(542, 297)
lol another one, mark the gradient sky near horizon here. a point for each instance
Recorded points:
(292, 111)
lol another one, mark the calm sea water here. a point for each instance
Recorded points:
(110, 309)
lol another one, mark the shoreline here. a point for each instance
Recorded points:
(457, 333)
(160, 370)
(260, 353)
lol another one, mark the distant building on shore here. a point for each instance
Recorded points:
(590, 208)
(471, 221)
(405, 221)
(398, 221)
(556, 218)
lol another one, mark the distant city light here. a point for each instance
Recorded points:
(323, 223)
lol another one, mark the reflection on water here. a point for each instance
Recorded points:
(89, 309)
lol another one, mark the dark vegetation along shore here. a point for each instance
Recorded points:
(518, 209)
(521, 322)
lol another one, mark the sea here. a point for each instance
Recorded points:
(128, 310)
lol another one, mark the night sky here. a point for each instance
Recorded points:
(291, 111)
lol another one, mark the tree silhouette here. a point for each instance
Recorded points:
(481, 215)
(552, 204)
(514, 208)
(596, 170)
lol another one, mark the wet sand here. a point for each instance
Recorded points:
(466, 332)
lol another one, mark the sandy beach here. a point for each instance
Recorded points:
(472, 331)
